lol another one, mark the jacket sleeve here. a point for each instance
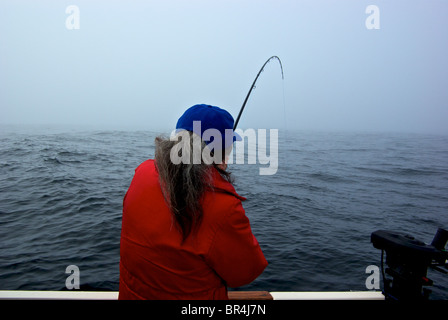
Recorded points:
(235, 254)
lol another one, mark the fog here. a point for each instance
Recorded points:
(140, 64)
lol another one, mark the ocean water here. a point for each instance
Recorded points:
(61, 193)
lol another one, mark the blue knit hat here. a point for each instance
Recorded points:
(210, 117)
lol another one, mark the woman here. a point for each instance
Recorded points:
(185, 234)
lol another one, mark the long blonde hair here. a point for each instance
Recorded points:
(184, 184)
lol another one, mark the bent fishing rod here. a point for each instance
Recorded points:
(253, 86)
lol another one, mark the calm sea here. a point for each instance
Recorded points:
(61, 193)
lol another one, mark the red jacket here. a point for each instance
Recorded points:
(154, 264)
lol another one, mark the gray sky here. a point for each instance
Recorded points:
(142, 63)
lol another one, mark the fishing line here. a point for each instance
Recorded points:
(253, 87)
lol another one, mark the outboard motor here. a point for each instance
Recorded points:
(408, 260)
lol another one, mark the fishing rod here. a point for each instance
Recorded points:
(253, 86)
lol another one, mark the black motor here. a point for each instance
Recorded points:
(408, 260)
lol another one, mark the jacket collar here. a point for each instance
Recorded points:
(222, 185)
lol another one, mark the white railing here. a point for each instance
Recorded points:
(233, 295)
